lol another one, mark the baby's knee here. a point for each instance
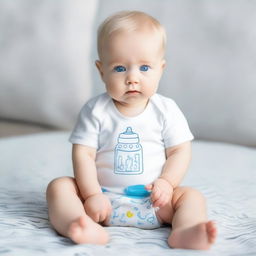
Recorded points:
(59, 184)
(189, 193)
(193, 192)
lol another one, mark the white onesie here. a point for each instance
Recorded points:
(130, 150)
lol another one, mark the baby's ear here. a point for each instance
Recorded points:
(99, 67)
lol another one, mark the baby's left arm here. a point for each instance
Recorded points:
(176, 165)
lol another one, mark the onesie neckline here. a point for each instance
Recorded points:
(117, 112)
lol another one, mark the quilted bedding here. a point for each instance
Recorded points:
(226, 174)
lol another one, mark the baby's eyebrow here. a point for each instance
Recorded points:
(145, 61)
(115, 63)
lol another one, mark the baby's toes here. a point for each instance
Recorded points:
(211, 230)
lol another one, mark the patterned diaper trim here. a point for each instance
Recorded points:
(135, 212)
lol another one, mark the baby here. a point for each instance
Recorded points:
(131, 148)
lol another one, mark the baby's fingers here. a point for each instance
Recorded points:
(102, 217)
(96, 217)
(161, 201)
(156, 193)
(149, 187)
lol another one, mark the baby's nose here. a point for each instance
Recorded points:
(132, 78)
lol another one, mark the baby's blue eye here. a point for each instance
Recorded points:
(120, 69)
(144, 68)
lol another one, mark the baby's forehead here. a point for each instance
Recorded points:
(140, 38)
(142, 41)
(136, 38)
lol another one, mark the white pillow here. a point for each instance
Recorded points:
(210, 63)
(45, 74)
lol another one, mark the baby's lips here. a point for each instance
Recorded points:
(133, 91)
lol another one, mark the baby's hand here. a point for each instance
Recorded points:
(98, 207)
(161, 192)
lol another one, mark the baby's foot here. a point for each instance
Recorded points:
(198, 237)
(85, 231)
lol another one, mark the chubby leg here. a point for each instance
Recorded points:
(67, 214)
(187, 214)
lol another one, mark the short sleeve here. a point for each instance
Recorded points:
(176, 129)
(86, 131)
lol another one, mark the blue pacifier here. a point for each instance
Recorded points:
(136, 191)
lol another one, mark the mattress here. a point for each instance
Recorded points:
(224, 173)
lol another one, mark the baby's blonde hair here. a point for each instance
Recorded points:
(128, 21)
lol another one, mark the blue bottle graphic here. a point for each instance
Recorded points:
(128, 154)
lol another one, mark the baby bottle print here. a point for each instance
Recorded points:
(128, 153)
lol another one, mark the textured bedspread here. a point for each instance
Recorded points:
(226, 175)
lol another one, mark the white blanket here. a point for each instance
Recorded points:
(226, 174)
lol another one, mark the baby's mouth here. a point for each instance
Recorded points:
(133, 92)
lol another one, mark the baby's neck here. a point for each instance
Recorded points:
(130, 110)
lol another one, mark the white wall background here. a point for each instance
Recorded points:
(45, 49)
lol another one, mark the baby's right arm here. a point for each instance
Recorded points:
(97, 205)
(85, 170)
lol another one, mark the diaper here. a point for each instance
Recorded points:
(132, 211)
